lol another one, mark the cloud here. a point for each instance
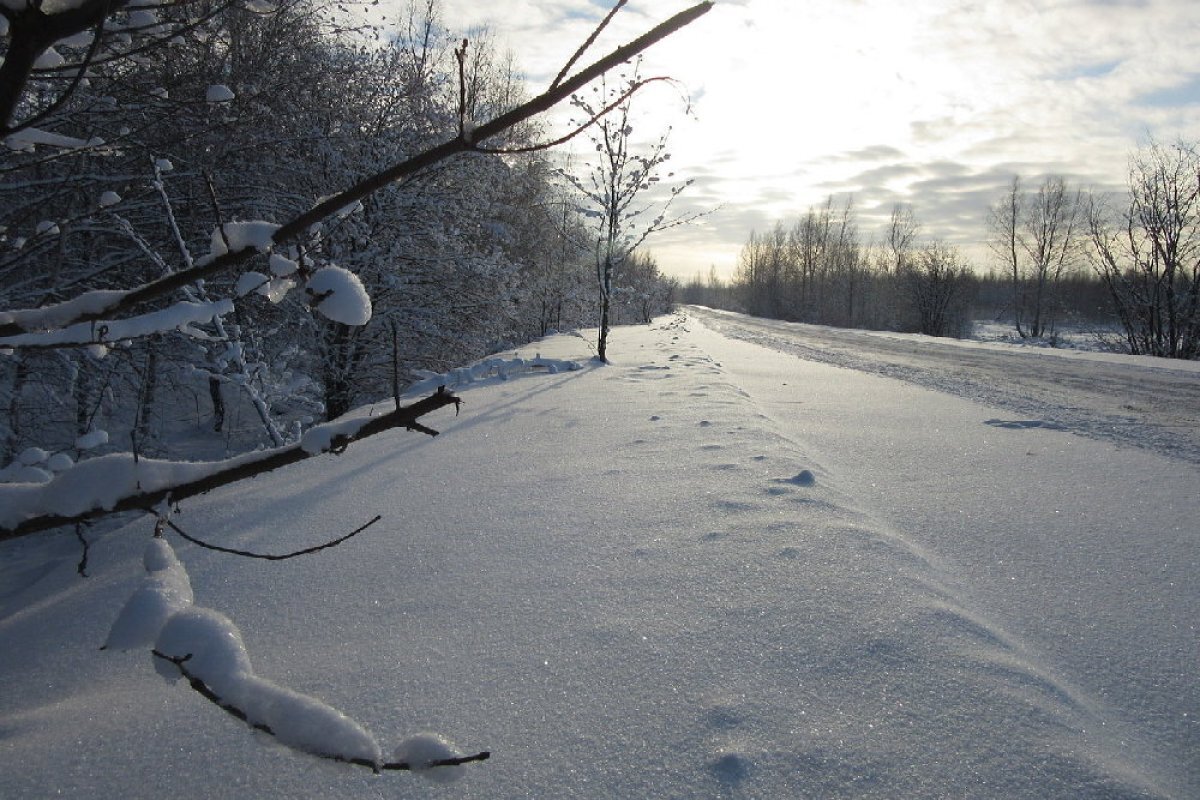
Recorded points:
(936, 104)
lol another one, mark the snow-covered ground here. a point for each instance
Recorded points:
(712, 568)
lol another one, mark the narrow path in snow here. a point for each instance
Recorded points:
(1145, 403)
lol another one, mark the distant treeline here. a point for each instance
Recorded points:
(1060, 256)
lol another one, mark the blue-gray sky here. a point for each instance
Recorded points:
(935, 103)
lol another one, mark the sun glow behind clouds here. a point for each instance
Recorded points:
(935, 102)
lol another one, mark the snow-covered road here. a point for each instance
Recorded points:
(1143, 402)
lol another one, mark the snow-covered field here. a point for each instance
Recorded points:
(712, 568)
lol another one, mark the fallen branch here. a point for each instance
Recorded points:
(207, 693)
(239, 469)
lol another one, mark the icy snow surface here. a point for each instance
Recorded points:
(708, 569)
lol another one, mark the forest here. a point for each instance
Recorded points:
(140, 143)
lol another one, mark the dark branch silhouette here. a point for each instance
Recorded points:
(268, 556)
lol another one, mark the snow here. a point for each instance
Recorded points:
(711, 568)
(179, 316)
(52, 316)
(212, 650)
(321, 438)
(274, 289)
(91, 440)
(281, 267)
(339, 295)
(99, 483)
(28, 138)
(219, 93)
(423, 750)
(109, 199)
(254, 234)
(49, 59)
(32, 456)
(164, 591)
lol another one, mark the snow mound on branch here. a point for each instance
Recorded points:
(281, 267)
(93, 439)
(210, 648)
(32, 456)
(422, 751)
(321, 438)
(250, 282)
(59, 461)
(180, 316)
(339, 295)
(274, 289)
(109, 198)
(99, 483)
(219, 93)
(241, 235)
(164, 591)
(49, 59)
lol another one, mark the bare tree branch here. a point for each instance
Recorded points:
(583, 48)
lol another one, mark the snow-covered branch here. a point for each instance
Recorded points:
(122, 482)
(206, 648)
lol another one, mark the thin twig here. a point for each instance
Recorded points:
(592, 120)
(583, 48)
(266, 556)
(83, 559)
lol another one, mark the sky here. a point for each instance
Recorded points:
(932, 103)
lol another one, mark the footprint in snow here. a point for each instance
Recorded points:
(723, 717)
(730, 767)
(804, 477)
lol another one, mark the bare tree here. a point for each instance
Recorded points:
(1148, 254)
(901, 237)
(936, 281)
(617, 185)
(1037, 236)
